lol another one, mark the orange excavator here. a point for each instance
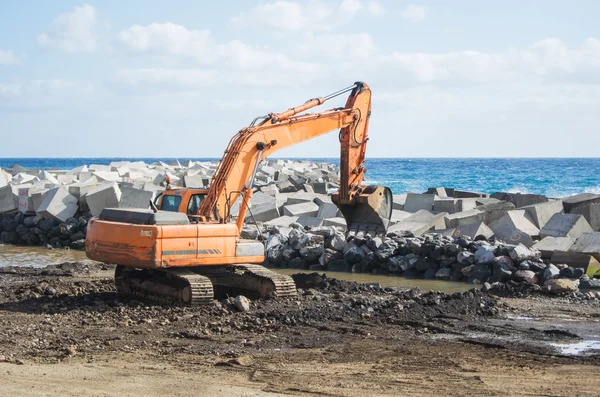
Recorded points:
(187, 255)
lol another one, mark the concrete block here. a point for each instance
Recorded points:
(467, 204)
(284, 221)
(444, 204)
(588, 243)
(25, 201)
(9, 198)
(77, 170)
(437, 191)
(286, 187)
(135, 198)
(310, 221)
(520, 220)
(486, 201)
(197, 181)
(415, 202)
(591, 212)
(263, 208)
(548, 245)
(573, 201)
(398, 215)
(105, 196)
(473, 230)
(37, 198)
(100, 167)
(466, 194)
(75, 189)
(420, 222)
(107, 176)
(5, 178)
(444, 232)
(271, 190)
(492, 212)
(58, 204)
(307, 208)
(326, 209)
(522, 200)
(308, 188)
(398, 201)
(588, 263)
(542, 212)
(463, 218)
(320, 187)
(510, 234)
(22, 178)
(565, 225)
(301, 197)
(338, 222)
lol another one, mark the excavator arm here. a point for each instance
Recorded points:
(266, 135)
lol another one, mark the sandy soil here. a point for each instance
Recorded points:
(65, 332)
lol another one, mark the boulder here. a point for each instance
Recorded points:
(565, 225)
(58, 204)
(587, 262)
(561, 285)
(485, 254)
(520, 253)
(527, 276)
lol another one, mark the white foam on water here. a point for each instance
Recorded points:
(575, 348)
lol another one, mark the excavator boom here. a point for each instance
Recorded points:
(365, 210)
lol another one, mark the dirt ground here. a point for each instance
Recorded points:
(65, 332)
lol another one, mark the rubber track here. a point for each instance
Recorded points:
(284, 285)
(201, 286)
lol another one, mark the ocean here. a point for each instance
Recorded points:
(553, 177)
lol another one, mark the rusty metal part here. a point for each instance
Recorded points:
(180, 286)
(370, 212)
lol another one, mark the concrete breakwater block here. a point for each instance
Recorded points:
(473, 230)
(588, 243)
(569, 203)
(463, 218)
(445, 204)
(105, 196)
(263, 208)
(420, 222)
(548, 245)
(587, 262)
(58, 204)
(9, 198)
(541, 213)
(510, 234)
(135, 198)
(565, 225)
(306, 208)
(591, 213)
(415, 202)
(519, 220)
(493, 211)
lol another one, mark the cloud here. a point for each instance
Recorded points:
(178, 42)
(72, 32)
(314, 16)
(414, 13)
(8, 58)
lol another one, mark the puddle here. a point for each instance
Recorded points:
(575, 348)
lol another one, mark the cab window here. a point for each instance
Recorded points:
(194, 204)
(170, 203)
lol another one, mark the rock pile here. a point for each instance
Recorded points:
(429, 256)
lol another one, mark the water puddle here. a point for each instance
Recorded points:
(11, 255)
(576, 348)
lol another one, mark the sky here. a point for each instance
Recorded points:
(179, 78)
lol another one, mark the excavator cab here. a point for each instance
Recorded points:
(185, 200)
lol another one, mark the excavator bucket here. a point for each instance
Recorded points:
(370, 213)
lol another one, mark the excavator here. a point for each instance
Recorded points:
(187, 248)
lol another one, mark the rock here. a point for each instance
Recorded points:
(241, 303)
(485, 254)
(249, 232)
(590, 283)
(298, 263)
(443, 274)
(338, 265)
(502, 268)
(526, 276)
(521, 253)
(465, 258)
(550, 272)
(571, 272)
(480, 273)
(452, 249)
(354, 254)
(560, 285)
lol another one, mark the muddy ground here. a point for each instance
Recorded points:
(65, 332)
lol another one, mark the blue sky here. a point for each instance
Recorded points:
(179, 78)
